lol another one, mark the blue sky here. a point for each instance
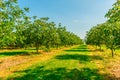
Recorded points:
(77, 15)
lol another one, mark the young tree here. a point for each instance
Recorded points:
(113, 16)
(96, 36)
(112, 38)
(107, 33)
(51, 36)
(67, 38)
(10, 14)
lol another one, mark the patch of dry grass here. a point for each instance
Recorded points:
(109, 65)
(10, 64)
(74, 59)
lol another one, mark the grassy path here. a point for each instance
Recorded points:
(16, 60)
(77, 63)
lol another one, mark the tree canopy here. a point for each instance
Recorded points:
(19, 30)
(107, 33)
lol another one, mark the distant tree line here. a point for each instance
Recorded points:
(19, 30)
(107, 33)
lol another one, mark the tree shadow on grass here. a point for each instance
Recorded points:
(82, 48)
(14, 53)
(39, 73)
(82, 58)
(78, 50)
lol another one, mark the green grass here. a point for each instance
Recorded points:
(74, 64)
(23, 52)
(4, 54)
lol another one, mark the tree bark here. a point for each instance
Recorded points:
(37, 47)
(112, 52)
(100, 47)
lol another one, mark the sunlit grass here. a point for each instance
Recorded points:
(67, 65)
(78, 63)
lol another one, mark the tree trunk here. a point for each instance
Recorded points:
(37, 47)
(112, 52)
(100, 47)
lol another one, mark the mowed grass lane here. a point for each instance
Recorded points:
(74, 64)
(78, 63)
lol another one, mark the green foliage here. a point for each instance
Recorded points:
(109, 32)
(96, 35)
(114, 13)
(10, 16)
(68, 38)
(44, 33)
(19, 30)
